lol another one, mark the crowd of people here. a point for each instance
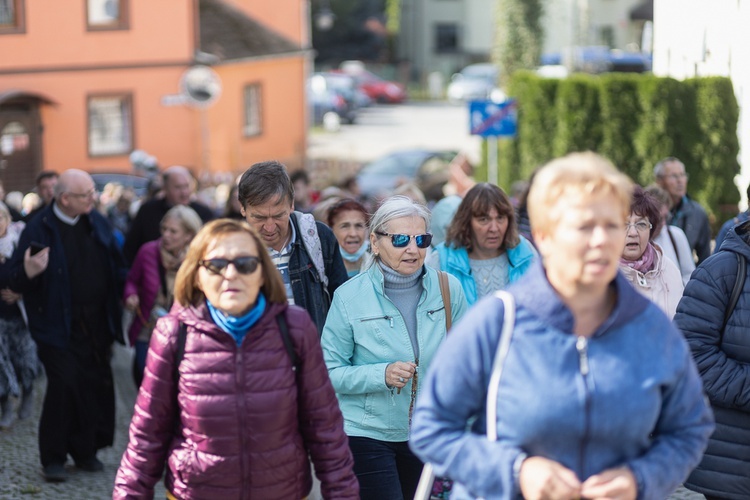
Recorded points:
(556, 343)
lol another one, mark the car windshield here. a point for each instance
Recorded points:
(480, 72)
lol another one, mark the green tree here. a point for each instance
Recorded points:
(518, 36)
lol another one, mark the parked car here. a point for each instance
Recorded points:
(377, 88)
(346, 87)
(474, 82)
(425, 167)
(137, 183)
(329, 108)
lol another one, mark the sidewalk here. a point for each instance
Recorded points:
(20, 470)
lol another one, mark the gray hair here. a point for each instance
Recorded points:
(394, 208)
(4, 211)
(661, 165)
(186, 217)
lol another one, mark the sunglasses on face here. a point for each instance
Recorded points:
(402, 240)
(243, 265)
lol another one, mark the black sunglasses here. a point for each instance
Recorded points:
(402, 240)
(243, 265)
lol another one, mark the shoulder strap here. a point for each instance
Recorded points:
(674, 245)
(445, 291)
(739, 284)
(308, 232)
(288, 344)
(179, 350)
(503, 347)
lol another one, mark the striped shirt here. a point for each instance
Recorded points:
(281, 260)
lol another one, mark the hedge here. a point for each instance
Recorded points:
(634, 120)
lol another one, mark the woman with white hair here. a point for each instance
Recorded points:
(383, 329)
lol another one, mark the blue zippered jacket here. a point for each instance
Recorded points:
(724, 364)
(456, 262)
(628, 395)
(365, 332)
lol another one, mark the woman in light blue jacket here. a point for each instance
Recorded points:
(599, 396)
(382, 331)
(482, 246)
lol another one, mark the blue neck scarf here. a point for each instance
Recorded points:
(354, 257)
(238, 326)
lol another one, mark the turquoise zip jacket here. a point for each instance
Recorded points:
(456, 262)
(364, 332)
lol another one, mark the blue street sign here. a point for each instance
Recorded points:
(492, 119)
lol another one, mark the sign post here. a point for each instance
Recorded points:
(490, 119)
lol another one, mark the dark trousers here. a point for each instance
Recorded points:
(79, 406)
(385, 470)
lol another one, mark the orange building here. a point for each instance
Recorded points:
(83, 88)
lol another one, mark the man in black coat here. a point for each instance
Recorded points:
(72, 291)
(178, 190)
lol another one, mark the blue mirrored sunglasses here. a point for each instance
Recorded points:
(402, 240)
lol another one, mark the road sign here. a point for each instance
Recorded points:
(492, 119)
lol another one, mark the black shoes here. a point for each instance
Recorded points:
(92, 464)
(55, 473)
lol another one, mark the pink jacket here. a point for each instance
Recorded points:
(246, 423)
(143, 280)
(662, 285)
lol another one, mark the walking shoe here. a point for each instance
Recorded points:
(92, 464)
(55, 473)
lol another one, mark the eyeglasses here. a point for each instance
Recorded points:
(402, 240)
(677, 177)
(641, 226)
(243, 265)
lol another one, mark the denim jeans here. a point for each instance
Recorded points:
(384, 469)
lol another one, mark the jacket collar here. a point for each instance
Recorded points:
(199, 317)
(534, 293)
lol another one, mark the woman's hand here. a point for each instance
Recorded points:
(34, 265)
(544, 479)
(611, 484)
(398, 373)
(132, 302)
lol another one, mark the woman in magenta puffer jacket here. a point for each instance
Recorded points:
(235, 420)
(150, 283)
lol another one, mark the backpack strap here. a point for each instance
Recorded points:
(739, 284)
(288, 344)
(179, 350)
(308, 232)
(445, 291)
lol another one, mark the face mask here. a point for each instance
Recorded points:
(354, 257)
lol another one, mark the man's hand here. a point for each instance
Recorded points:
(544, 479)
(611, 484)
(34, 265)
(9, 296)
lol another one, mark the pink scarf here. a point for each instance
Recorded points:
(645, 263)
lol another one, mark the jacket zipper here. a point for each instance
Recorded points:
(583, 360)
(433, 311)
(387, 318)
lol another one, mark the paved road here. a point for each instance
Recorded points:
(381, 129)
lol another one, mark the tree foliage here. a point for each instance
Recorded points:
(518, 37)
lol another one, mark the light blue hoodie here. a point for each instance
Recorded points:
(364, 332)
(628, 395)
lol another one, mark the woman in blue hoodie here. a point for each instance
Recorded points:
(599, 396)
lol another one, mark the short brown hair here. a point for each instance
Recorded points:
(478, 202)
(186, 290)
(264, 181)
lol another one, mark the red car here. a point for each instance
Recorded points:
(376, 88)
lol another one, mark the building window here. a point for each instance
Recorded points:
(110, 125)
(107, 14)
(253, 125)
(11, 16)
(446, 38)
